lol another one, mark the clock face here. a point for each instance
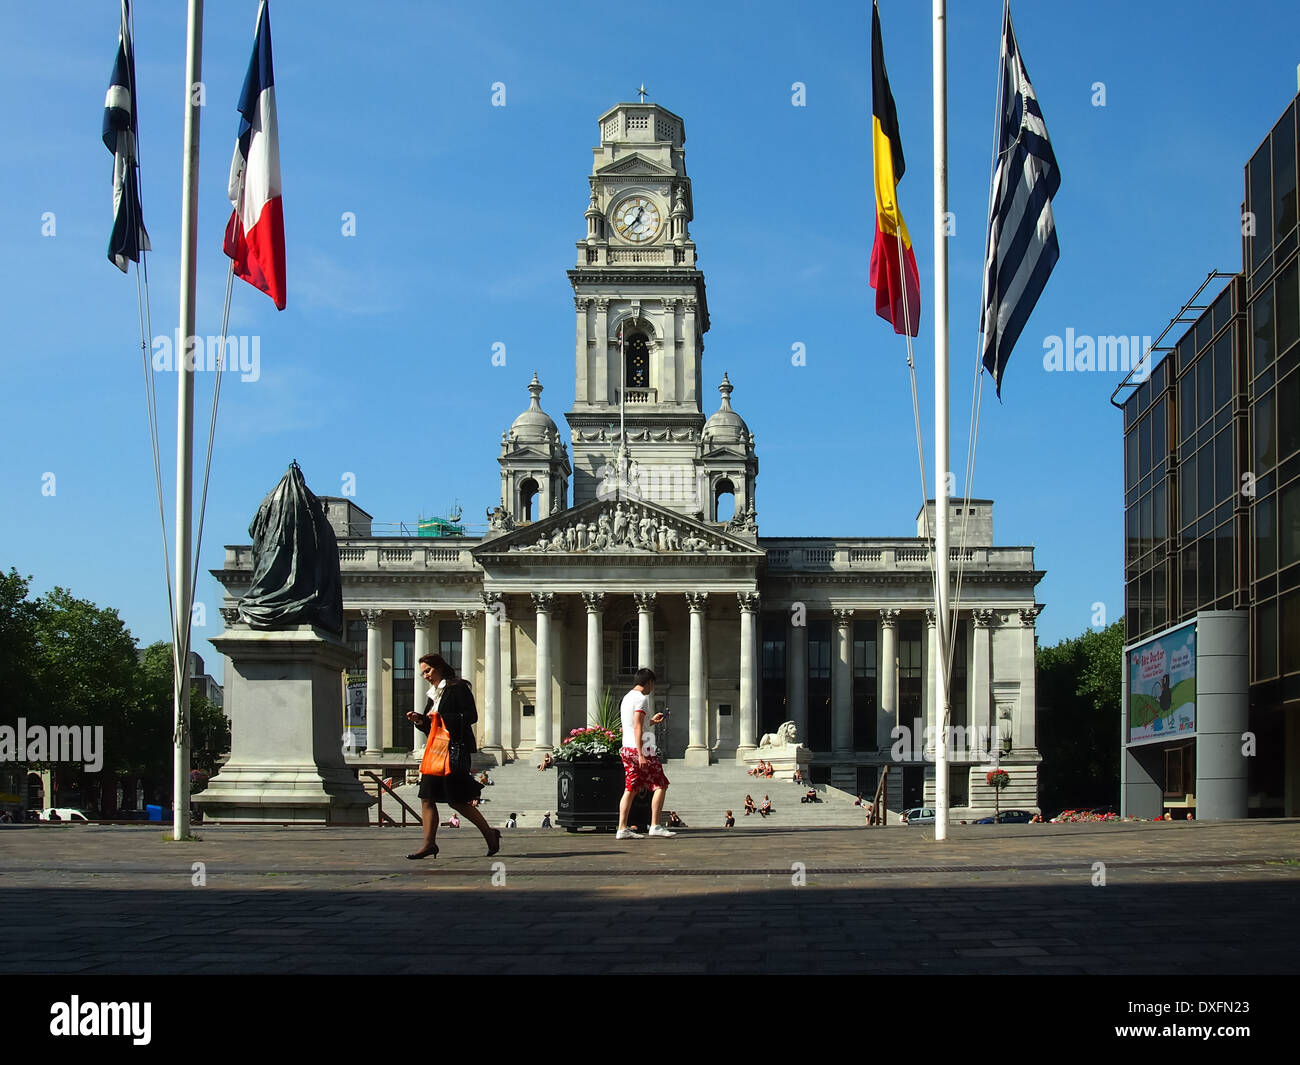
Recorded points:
(637, 219)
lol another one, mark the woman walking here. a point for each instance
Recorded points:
(451, 699)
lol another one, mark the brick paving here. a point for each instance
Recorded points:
(1185, 898)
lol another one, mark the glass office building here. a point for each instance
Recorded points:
(1212, 476)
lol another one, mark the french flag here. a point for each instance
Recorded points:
(255, 233)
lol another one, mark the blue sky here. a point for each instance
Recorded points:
(466, 220)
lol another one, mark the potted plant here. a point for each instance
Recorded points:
(589, 774)
(997, 779)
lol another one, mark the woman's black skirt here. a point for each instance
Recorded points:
(458, 786)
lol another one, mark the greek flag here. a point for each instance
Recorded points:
(129, 237)
(1021, 248)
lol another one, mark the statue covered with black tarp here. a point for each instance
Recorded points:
(295, 562)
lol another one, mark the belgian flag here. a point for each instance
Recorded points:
(893, 265)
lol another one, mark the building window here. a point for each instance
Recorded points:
(819, 685)
(449, 645)
(910, 677)
(627, 661)
(403, 680)
(527, 493)
(772, 709)
(864, 685)
(636, 353)
(724, 500)
(958, 785)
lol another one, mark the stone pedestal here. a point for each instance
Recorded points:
(784, 760)
(285, 699)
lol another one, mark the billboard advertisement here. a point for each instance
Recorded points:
(354, 733)
(1162, 686)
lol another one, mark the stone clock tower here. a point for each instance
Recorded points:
(641, 319)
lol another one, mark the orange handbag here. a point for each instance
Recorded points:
(436, 761)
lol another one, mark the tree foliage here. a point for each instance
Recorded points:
(1079, 718)
(65, 661)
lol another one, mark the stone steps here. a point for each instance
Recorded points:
(700, 795)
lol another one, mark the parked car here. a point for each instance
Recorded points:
(1009, 817)
(65, 813)
(918, 815)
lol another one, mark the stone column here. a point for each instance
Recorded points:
(927, 681)
(584, 352)
(1024, 731)
(595, 604)
(494, 603)
(645, 629)
(691, 362)
(422, 627)
(543, 602)
(842, 683)
(748, 673)
(887, 719)
(374, 682)
(697, 750)
(797, 677)
(645, 639)
(468, 647)
(981, 710)
(599, 391)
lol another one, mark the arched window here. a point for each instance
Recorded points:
(636, 356)
(527, 493)
(724, 500)
(627, 662)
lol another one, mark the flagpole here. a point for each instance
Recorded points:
(185, 422)
(941, 416)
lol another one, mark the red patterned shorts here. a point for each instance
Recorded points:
(642, 777)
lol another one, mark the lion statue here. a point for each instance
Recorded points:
(786, 736)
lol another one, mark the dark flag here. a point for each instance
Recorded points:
(129, 237)
(893, 263)
(1021, 248)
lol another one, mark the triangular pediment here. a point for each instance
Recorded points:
(636, 163)
(618, 527)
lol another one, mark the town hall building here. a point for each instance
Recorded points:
(609, 549)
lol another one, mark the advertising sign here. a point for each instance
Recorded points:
(354, 735)
(1162, 686)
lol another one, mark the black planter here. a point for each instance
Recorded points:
(588, 791)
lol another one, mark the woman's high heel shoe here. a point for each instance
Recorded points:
(497, 845)
(424, 853)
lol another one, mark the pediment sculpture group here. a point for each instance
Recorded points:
(624, 526)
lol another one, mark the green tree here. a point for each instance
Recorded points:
(84, 665)
(19, 622)
(1079, 717)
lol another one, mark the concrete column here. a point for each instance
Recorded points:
(543, 602)
(494, 609)
(374, 682)
(595, 604)
(599, 391)
(1023, 727)
(797, 676)
(690, 357)
(981, 708)
(928, 738)
(645, 639)
(422, 632)
(584, 355)
(645, 629)
(842, 683)
(697, 750)
(748, 673)
(887, 719)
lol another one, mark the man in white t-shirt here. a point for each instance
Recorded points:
(641, 768)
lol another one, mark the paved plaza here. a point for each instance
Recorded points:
(1186, 898)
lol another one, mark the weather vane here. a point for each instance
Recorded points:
(641, 91)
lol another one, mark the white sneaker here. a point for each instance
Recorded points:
(659, 830)
(627, 833)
